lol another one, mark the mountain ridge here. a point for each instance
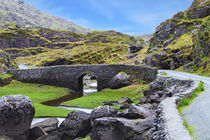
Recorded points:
(28, 16)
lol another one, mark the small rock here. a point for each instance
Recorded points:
(103, 111)
(111, 103)
(135, 112)
(36, 132)
(154, 98)
(125, 100)
(124, 106)
(131, 56)
(143, 100)
(48, 125)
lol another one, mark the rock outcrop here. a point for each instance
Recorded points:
(16, 116)
(6, 62)
(182, 39)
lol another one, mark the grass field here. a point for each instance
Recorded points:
(96, 99)
(39, 94)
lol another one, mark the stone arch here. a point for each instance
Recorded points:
(80, 79)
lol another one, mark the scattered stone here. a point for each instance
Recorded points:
(135, 112)
(188, 65)
(167, 42)
(48, 125)
(131, 56)
(103, 111)
(111, 103)
(143, 100)
(109, 128)
(17, 113)
(125, 100)
(124, 106)
(36, 132)
(77, 124)
(119, 81)
(134, 48)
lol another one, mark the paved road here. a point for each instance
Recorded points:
(198, 114)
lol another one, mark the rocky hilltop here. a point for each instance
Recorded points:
(27, 16)
(183, 41)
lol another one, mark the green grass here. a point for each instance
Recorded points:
(96, 99)
(87, 138)
(5, 76)
(187, 102)
(39, 94)
(190, 128)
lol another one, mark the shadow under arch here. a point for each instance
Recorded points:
(81, 77)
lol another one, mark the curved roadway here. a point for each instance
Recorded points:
(197, 114)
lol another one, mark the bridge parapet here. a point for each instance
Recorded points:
(70, 76)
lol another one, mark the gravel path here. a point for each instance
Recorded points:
(198, 114)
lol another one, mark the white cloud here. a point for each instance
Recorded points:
(83, 22)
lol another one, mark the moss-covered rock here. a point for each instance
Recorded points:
(6, 62)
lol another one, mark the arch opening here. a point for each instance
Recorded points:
(88, 84)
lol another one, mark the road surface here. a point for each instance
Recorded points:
(197, 114)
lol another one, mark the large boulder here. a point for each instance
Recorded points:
(103, 111)
(110, 128)
(16, 115)
(120, 80)
(134, 48)
(77, 124)
(199, 12)
(156, 60)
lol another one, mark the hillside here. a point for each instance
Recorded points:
(182, 42)
(47, 47)
(25, 15)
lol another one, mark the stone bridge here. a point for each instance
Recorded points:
(71, 76)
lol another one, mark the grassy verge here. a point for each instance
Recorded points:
(97, 99)
(39, 94)
(187, 102)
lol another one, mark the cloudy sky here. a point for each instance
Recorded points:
(128, 16)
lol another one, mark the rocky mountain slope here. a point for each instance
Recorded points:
(46, 47)
(28, 16)
(183, 41)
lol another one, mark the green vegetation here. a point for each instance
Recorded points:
(97, 99)
(5, 76)
(188, 101)
(39, 94)
(190, 128)
(87, 138)
(104, 47)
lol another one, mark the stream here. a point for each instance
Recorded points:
(90, 86)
